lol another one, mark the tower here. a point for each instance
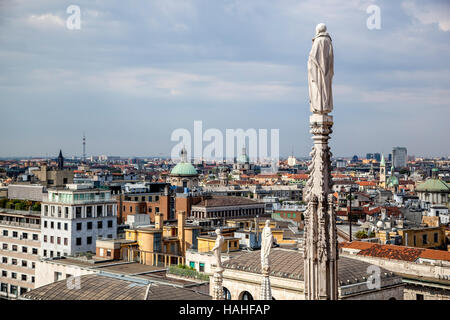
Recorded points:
(84, 148)
(382, 172)
(60, 161)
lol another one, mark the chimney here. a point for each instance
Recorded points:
(158, 221)
(180, 230)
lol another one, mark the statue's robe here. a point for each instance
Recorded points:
(320, 74)
(266, 244)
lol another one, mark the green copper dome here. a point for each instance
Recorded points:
(184, 169)
(433, 185)
(392, 181)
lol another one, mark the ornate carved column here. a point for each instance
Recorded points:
(217, 293)
(266, 292)
(321, 252)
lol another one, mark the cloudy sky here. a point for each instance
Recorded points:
(135, 72)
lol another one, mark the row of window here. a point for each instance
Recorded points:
(90, 212)
(201, 266)
(15, 262)
(13, 290)
(15, 247)
(89, 225)
(22, 236)
(149, 209)
(52, 225)
(14, 275)
(142, 198)
(58, 240)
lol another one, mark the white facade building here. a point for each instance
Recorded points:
(73, 219)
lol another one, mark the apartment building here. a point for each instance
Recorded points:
(73, 218)
(19, 251)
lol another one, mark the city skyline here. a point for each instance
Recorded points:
(132, 75)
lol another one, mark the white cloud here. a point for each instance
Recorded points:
(45, 20)
(428, 13)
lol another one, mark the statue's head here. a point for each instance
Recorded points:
(218, 232)
(321, 27)
(267, 223)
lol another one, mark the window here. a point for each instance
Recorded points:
(59, 226)
(13, 275)
(89, 240)
(33, 265)
(78, 242)
(109, 236)
(110, 223)
(59, 211)
(89, 212)
(58, 240)
(14, 262)
(51, 239)
(65, 226)
(66, 212)
(4, 260)
(34, 251)
(24, 249)
(192, 264)
(15, 234)
(150, 209)
(4, 273)
(52, 225)
(108, 253)
(51, 253)
(201, 267)
(78, 212)
(5, 246)
(24, 277)
(89, 225)
(78, 226)
(45, 238)
(45, 253)
(436, 237)
(4, 287)
(13, 289)
(5, 233)
(58, 276)
(424, 239)
(66, 241)
(99, 211)
(156, 209)
(35, 237)
(45, 224)
(99, 224)
(32, 279)
(14, 247)
(419, 296)
(23, 290)
(24, 263)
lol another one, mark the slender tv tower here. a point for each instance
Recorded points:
(84, 148)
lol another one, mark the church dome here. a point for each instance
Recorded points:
(243, 158)
(184, 169)
(392, 181)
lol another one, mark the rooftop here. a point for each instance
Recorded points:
(287, 263)
(389, 251)
(221, 201)
(110, 287)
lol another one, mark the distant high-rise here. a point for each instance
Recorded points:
(399, 157)
(390, 157)
(377, 157)
(369, 156)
